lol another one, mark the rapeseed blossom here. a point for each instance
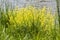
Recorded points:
(30, 15)
(29, 22)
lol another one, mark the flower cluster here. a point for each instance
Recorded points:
(31, 21)
(31, 15)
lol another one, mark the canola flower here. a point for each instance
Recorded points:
(31, 14)
(34, 22)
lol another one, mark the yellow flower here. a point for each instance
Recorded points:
(43, 10)
(30, 14)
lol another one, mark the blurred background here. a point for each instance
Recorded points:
(23, 3)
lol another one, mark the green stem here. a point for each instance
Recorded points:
(57, 1)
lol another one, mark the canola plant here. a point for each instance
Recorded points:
(29, 23)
